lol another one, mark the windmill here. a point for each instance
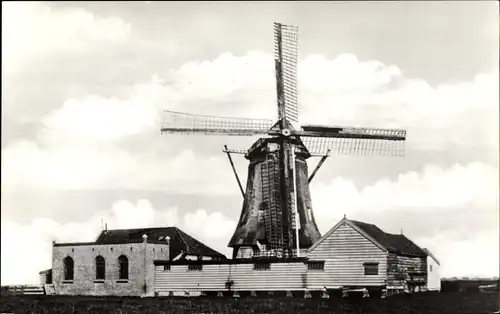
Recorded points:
(276, 217)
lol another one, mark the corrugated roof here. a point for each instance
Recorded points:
(180, 242)
(394, 243)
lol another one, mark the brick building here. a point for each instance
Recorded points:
(120, 262)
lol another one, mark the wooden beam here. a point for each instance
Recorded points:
(319, 165)
(388, 137)
(234, 170)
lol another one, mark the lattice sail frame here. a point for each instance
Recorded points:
(186, 123)
(286, 51)
(356, 146)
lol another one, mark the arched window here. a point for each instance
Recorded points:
(123, 264)
(69, 266)
(100, 268)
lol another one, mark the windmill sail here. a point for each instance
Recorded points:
(186, 123)
(354, 141)
(286, 59)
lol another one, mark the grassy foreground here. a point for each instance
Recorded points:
(416, 303)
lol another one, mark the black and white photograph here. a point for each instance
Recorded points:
(250, 157)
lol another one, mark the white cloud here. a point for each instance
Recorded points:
(78, 144)
(33, 30)
(99, 119)
(26, 165)
(446, 210)
(22, 266)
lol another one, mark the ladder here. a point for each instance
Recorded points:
(271, 197)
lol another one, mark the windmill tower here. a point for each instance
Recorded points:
(276, 217)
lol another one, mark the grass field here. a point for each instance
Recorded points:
(465, 302)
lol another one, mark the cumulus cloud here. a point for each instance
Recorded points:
(34, 30)
(22, 266)
(84, 135)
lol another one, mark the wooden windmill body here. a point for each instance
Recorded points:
(277, 218)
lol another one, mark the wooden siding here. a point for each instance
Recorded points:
(280, 276)
(344, 252)
(433, 275)
(400, 267)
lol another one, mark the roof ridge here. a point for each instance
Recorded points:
(137, 229)
(178, 231)
(196, 244)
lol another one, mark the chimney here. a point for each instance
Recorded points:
(167, 239)
(106, 227)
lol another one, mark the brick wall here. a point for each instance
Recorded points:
(140, 276)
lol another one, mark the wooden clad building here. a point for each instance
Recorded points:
(351, 255)
(433, 273)
(359, 254)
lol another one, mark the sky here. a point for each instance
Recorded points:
(84, 86)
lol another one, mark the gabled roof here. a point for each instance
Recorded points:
(394, 243)
(431, 255)
(180, 242)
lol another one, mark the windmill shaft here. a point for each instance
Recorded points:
(295, 210)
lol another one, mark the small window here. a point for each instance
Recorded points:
(371, 269)
(197, 267)
(430, 268)
(316, 265)
(69, 266)
(261, 266)
(48, 279)
(123, 267)
(100, 268)
(166, 267)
